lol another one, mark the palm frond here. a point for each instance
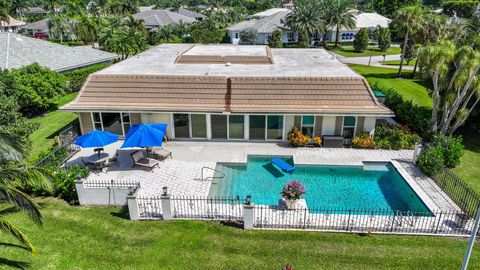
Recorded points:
(10, 149)
(26, 177)
(6, 226)
(23, 201)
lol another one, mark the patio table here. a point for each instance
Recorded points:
(97, 160)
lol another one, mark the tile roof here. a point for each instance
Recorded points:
(264, 25)
(191, 14)
(17, 51)
(12, 23)
(157, 18)
(38, 25)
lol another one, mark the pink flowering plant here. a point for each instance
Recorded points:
(293, 190)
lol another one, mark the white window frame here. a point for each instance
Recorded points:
(121, 120)
(312, 125)
(190, 127)
(354, 127)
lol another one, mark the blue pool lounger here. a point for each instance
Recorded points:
(282, 164)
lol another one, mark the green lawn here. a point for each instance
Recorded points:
(410, 89)
(50, 124)
(397, 63)
(98, 238)
(469, 168)
(350, 51)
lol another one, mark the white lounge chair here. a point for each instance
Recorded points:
(140, 159)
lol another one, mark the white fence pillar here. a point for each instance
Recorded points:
(133, 207)
(248, 216)
(80, 191)
(416, 152)
(166, 207)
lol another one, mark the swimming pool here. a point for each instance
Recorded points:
(375, 186)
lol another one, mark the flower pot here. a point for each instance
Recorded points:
(291, 203)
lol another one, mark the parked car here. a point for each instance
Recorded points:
(41, 35)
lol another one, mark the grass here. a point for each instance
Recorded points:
(100, 238)
(469, 169)
(50, 124)
(397, 63)
(410, 89)
(350, 51)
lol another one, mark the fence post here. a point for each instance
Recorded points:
(416, 152)
(133, 207)
(248, 216)
(80, 191)
(166, 206)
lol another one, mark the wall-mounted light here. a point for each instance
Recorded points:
(165, 191)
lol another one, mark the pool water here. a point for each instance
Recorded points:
(376, 186)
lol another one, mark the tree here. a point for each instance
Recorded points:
(389, 7)
(408, 21)
(206, 31)
(135, 24)
(18, 6)
(409, 51)
(12, 122)
(122, 41)
(384, 38)
(59, 26)
(454, 74)
(360, 43)
(51, 5)
(275, 41)
(306, 17)
(12, 181)
(303, 40)
(88, 28)
(248, 36)
(339, 15)
(460, 8)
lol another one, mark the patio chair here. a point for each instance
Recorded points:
(160, 153)
(140, 159)
(114, 159)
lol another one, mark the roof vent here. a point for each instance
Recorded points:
(228, 64)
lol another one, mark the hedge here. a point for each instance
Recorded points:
(76, 78)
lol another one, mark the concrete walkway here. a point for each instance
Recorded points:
(376, 60)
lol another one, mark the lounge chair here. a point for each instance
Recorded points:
(140, 159)
(160, 153)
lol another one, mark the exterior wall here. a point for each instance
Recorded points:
(86, 124)
(317, 129)
(262, 38)
(328, 125)
(234, 40)
(135, 118)
(101, 195)
(369, 125)
(359, 125)
(158, 118)
(338, 125)
(331, 35)
(289, 124)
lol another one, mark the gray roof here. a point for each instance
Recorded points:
(17, 51)
(157, 18)
(264, 25)
(38, 25)
(191, 14)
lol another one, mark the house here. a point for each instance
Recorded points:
(265, 22)
(12, 26)
(229, 93)
(18, 51)
(158, 18)
(268, 22)
(33, 28)
(191, 14)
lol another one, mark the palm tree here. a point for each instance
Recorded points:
(306, 18)
(51, 5)
(59, 25)
(408, 21)
(180, 29)
(339, 14)
(88, 28)
(135, 24)
(165, 33)
(18, 6)
(4, 18)
(12, 181)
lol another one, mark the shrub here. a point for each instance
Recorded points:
(317, 141)
(64, 182)
(432, 160)
(363, 140)
(296, 138)
(76, 78)
(303, 40)
(360, 43)
(395, 137)
(275, 41)
(293, 190)
(384, 38)
(248, 36)
(452, 148)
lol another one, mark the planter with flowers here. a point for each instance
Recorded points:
(292, 192)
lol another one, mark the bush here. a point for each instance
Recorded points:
(275, 41)
(452, 148)
(363, 140)
(64, 182)
(432, 161)
(360, 43)
(296, 138)
(317, 141)
(384, 38)
(395, 137)
(248, 36)
(303, 41)
(293, 190)
(76, 78)
(460, 8)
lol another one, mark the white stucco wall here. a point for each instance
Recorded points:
(369, 125)
(289, 123)
(158, 118)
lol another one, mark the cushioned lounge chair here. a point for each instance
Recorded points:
(160, 153)
(140, 159)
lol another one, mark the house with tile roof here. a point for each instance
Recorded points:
(229, 93)
(12, 26)
(153, 18)
(17, 51)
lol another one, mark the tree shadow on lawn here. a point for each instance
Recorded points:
(13, 263)
(74, 122)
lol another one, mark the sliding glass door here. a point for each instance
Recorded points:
(199, 126)
(219, 126)
(257, 127)
(181, 125)
(236, 127)
(275, 127)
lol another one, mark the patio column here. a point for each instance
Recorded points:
(166, 206)
(133, 207)
(248, 216)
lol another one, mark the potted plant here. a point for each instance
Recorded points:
(292, 192)
(317, 141)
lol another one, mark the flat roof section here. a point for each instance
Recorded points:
(228, 50)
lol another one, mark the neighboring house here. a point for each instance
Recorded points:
(157, 18)
(18, 51)
(33, 28)
(12, 26)
(264, 28)
(267, 21)
(191, 14)
(229, 93)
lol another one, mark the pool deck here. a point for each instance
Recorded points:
(182, 174)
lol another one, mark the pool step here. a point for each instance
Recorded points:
(375, 166)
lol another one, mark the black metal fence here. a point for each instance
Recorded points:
(65, 150)
(112, 184)
(217, 208)
(149, 207)
(373, 221)
(465, 197)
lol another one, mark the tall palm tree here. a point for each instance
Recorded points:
(88, 28)
(135, 24)
(18, 7)
(12, 181)
(59, 25)
(408, 21)
(306, 18)
(339, 15)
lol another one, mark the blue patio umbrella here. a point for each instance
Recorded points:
(145, 135)
(96, 138)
